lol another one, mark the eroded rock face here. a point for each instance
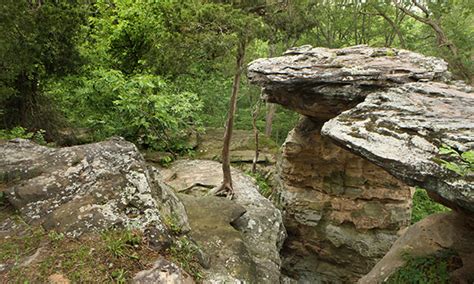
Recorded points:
(401, 130)
(383, 106)
(322, 82)
(88, 187)
(438, 232)
(342, 212)
(243, 237)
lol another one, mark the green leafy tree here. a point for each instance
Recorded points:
(38, 41)
(451, 24)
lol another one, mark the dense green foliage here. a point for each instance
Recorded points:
(153, 73)
(424, 206)
(37, 42)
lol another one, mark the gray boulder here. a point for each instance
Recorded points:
(402, 129)
(243, 237)
(322, 82)
(88, 187)
(163, 272)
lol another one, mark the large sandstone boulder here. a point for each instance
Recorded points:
(434, 234)
(402, 129)
(243, 237)
(88, 187)
(342, 211)
(104, 185)
(386, 119)
(322, 82)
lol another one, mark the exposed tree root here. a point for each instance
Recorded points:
(196, 184)
(224, 190)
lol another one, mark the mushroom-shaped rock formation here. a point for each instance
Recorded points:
(338, 179)
(321, 82)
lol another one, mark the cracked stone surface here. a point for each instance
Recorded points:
(373, 119)
(88, 187)
(242, 236)
(401, 130)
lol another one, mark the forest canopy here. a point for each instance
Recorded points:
(155, 71)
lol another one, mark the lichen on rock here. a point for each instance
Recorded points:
(84, 188)
(402, 129)
(243, 237)
(369, 115)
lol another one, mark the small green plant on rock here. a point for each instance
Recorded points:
(185, 253)
(122, 243)
(172, 222)
(265, 189)
(431, 269)
(462, 163)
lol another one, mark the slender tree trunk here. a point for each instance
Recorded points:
(226, 187)
(271, 108)
(270, 115)
(255, 132)
(439, 32)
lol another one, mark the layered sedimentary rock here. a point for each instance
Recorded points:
(342, 211)
(321, 83)
(402, 129)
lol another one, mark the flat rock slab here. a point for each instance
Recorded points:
(211, 220)
(401, 130)
(87, 187)
(257, 235)
(322, 82)
(242, 146)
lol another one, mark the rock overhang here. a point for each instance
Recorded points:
(322, 82)
(402, 129)
(382, 104)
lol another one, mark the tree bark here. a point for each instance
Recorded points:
(271, 108)
(440, 34)
(226, 187)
